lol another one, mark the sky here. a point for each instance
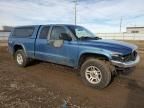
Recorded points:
(99, 16)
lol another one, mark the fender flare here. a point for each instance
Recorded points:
(20, 44)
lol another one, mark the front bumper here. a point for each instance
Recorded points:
(126, 64)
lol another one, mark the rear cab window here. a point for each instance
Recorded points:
(22, 32)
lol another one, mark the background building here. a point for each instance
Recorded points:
(135, 29)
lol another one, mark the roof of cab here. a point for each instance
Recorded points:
(44, 25)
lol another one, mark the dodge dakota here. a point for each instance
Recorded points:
(74, 46)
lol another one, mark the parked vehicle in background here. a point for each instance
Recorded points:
(73, 46)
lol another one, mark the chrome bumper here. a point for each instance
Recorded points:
(126, 64)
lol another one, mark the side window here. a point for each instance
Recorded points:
(56, 31)
(23, 32)
(44, 32)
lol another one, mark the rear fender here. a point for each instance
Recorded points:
(19, 44)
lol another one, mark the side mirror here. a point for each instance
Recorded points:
(65, 36)
(58, 43)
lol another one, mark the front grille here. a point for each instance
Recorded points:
(130, 57)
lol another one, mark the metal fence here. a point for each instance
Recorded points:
(117, 36)
(121, 36)
(4, 35)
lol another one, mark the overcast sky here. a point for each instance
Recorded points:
(96, 15)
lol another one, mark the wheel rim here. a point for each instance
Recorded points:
(93, 74)
(19, 59)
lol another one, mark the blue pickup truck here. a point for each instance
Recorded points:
(97, 59)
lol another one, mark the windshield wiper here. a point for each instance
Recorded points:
(86, 37)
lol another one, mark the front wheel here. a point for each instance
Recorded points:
(95, 73)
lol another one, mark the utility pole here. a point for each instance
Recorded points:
(120, 24)
(75, 12)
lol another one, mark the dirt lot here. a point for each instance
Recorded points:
(45, 85)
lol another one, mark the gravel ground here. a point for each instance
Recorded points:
(46, 85)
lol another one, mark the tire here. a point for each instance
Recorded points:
(95, 73)
(21, 59)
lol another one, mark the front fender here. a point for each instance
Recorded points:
(94, 51)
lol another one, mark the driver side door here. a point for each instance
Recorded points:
(52, 49)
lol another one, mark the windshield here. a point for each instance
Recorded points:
(81, 32)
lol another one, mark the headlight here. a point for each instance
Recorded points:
(117, 57)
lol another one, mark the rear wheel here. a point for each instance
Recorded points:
(21, 59)
(95, 73)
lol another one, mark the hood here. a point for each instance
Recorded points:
(111, 45)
